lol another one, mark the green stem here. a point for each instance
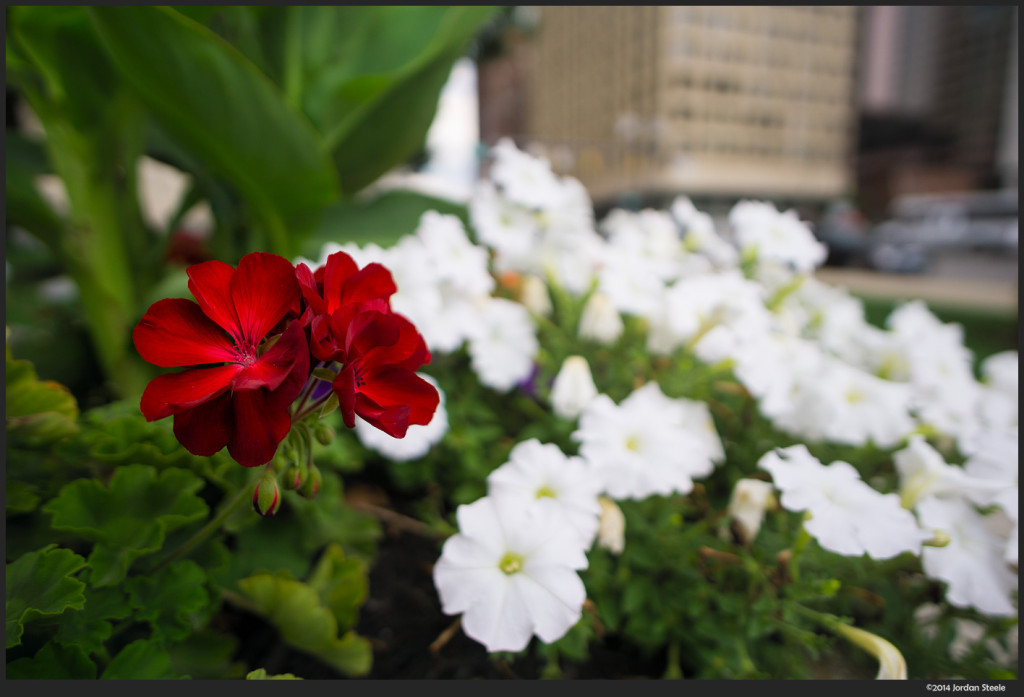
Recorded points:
(798, 548)
(210, 527)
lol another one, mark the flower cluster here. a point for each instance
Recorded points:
(741, 301)
(268, 344)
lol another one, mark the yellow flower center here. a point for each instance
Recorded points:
(511, 563)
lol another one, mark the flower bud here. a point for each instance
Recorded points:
(324, 434)
(611, 527)
(600, 320)
(573, 388)
(266, 499)
(311, 486)
(750, 498)
(533, 294)
(891, 664)
(294, 476)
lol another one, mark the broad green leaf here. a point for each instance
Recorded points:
(53, 662)
(261, 674)
(143, 659)
(328, 519)
(21, 497)
(129, 518)
(170, 600)
(89, 627)
(62, 45)
(382, 220)
(39, 584)
(342, 584)
(305, 623)
(207, 655)
(389, 122)
(220, 106)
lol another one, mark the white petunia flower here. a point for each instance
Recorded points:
(848, 517)
(648, 444)
(543, 475)
(762, 231)
(600, 320)
(502, 344)
(699, 234)
(972, 564)
(534, 296)
(511, 572)
(418, 440)
(523, 178)
(611, 527)
(749, 500)
(573, 387)
(924, 474)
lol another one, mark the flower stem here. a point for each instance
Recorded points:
(202, 534)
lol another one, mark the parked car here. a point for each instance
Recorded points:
(924, 225)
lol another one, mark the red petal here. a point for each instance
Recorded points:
(408, 350)
(270, 370)
(210, 283)
(393, 420)
(373, 282)
(339, 267)
(174, 393)
(393, 386)
(366, 331)
(322, 341)
(345, 387)
(263, 289)
(175, 332)
(205, 429)
(307, 284)
(259, 427)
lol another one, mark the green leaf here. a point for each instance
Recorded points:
(129, 518)
(143, 659)
(382, 220)
(342, 584)
(21, 497)
(305, 623)
(261, 674)
(207, 655)
(379, 124)
(38, 584)
(221, 107)
(89, 627)
(39, 412)
(170, 600)
(53, 662)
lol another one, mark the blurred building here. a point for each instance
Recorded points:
(937, 99)
(716, 102)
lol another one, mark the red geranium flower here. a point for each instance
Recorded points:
(378, 380)
(244, 402)
(338, 283)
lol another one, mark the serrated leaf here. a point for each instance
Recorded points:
(306, 623)
(143, 659)
(39, 412)
(261, 674)
(53, 662)
(328, 519)
(170, 599)
(89, 627)
(128, 519)
(39, 584)
(342, 584)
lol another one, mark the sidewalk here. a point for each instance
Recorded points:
(996, 295)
